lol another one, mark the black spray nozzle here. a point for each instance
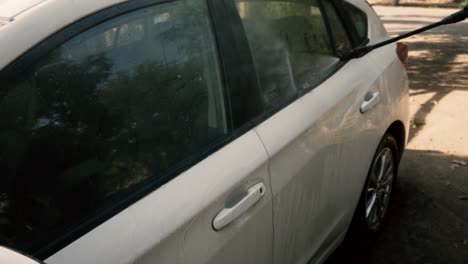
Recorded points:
(456, 17)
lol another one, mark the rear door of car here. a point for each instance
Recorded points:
(124, 139)
(313, 127)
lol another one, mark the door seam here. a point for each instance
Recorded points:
(272, 195)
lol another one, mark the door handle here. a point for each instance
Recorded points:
(227, 215)
(370, 101)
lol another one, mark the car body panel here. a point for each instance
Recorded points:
(317, 152)
(11, 256)
(320, 149)
(11, 8)
(393, 81)
(174, 223)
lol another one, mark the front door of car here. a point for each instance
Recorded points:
(118, 144)
(313, 129)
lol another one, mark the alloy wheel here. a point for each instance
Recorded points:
(379, 188)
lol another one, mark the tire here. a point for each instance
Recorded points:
(378, 189)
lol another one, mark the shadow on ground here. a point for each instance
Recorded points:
(438, 62)
(428, 217)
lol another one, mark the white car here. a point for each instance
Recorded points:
(193, 131)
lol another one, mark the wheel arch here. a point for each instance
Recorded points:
(397, 130)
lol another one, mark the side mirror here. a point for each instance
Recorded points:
(10, 256)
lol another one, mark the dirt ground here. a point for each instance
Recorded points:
(429, 217)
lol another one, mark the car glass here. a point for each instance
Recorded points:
(359, 20)
(115, 109)
(340, 37)
(290, 46)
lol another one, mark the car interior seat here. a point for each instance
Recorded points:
(271, 58)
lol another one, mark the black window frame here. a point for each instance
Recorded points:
(348, 24)
(237, 75)
(326, 18)
(244, 91)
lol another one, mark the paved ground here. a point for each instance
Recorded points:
(429, 219)
(424, 3)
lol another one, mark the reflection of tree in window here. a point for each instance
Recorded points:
(130, 32)
(122, 103)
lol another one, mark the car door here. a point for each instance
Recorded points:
(119, 142)
(314, 130)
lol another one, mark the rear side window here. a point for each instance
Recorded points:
(341, 40)
(359, 20)
(290, 45)
(119, 106)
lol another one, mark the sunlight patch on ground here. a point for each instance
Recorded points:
(445, 126)
(460, 64)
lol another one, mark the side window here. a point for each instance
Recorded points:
(359, 20)
(290, 46)
(340, 37)
(123, 104)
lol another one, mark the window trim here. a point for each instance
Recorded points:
(244, 91)
(326, 18)
(326, 21)
(235, 71)
(348, 24)
(345, 21)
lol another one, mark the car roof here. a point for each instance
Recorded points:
(25, 23)
(9, 9)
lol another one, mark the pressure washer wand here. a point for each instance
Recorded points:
(361, 51)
